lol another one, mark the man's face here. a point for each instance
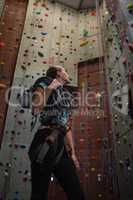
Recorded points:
(63, 74)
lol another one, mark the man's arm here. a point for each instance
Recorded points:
(70, 141)
(41, 95)
(39, 99)
(69, 136)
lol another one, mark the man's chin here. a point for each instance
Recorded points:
(67, 82)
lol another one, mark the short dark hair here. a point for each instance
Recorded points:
(52, 72)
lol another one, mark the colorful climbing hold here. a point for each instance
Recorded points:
(2, 44)
(23, 146)
(15, 146)
(125, 61)
(72, 30)
(25, 179)
(44, 62)
(125, 139)
(40, 54)
(98, 140)
(2, 63)
(130, 6)
(38, 12)
(1, 164)
(93, 13)
(121, 163)
(99, 195)
(83, 43)
(3, 86)
(93, 169)
(44, 33)
(46, 15)
(93, 157)
(130, 45)
(10, 145)
(85, 33)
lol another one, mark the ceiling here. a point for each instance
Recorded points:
(79, 4)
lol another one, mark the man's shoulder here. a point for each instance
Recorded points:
(41, 79)
(40, 82)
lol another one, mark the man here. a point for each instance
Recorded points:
(47, 151)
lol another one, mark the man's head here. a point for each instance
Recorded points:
(58, 72)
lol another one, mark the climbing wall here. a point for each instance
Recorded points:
(119, 59)
(56, 35)
(53, 35)
(92, 132)
(11, 27)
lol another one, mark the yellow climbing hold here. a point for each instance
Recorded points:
(82, 84)
(83, 43)
(2, 85)
(2, 63)
(99, 195)
(93, 169)
(72, 31)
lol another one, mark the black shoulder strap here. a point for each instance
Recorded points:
(44, 79)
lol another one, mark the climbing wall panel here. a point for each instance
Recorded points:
(54, 34)
(119, 59)
(92, 132)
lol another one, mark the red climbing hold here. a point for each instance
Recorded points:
(131, 76)
(34, 4)
(25, 179)
(98, 140)
(2, 44)
(93, 157)
(43, 5)
(130, 45)
(15, 146)
(125, 61)
(44, 62)
(93, 13)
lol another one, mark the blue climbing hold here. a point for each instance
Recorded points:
(44, 33)
(22, 146)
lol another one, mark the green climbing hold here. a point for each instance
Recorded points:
(130, 6)
(40, 54)
(1, 164)
(38, 12)
(125, 139)
(121, 163)
(21, 111)
(85, 33)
